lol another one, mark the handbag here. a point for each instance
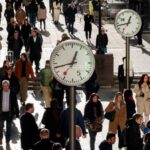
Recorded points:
(110, 115)
(96, 125)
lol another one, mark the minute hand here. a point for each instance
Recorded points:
(74, 57)
(65, 64)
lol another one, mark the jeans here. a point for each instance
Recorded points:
(88, 34)
(70, 27)
(5, 116)
(92, 139)
(32, 18)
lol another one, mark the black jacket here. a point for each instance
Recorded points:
(14, 109)
(44, 144)
(29, 131)
(70, 13)
(133, 136)
(88, 19)
(120, 73)
(26, 31)
(105, 146)
(104, 41)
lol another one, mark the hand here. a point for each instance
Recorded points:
(66, 64)
(129, 20)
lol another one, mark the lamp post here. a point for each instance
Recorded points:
(100, 24)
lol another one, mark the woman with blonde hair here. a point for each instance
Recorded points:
(119, 123)
(142, 91)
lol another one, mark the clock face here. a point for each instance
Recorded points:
(128, 22)
(72, 63)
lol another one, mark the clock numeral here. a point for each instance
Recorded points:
(64, 78)
(122, 19)
(72, 45)
(81, 77)
(80, 47)
(78, 73)
(63, 48)
(89, 62)
(87, 71)
(57, 54)
(55, 63)
(72, 80)
(57, 71)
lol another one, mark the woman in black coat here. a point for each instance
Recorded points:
(50, 119)
(130, 103)
(88, 19)
(25, 31)
(93, 110)
(101, 42)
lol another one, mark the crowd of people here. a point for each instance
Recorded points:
(21, 17)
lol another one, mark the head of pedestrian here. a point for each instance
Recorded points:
(54, 103)
(56, 146)
(94, 98)
(34, 32)
(5, 85)
(118, 99)
(23, 57)
(111, 138)
(138, 118)
(9, 71)
(47, 63)
(16, 34)
(26, 21)
(44, 134)
(144, 79)
(29, 107)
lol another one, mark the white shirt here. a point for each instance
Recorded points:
(5, 101)
(34, 39)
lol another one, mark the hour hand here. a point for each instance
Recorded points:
(65, 64)
(122, 24)
(74, 57)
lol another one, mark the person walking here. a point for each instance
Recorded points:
(93, 112)
(133, 135)
(56, 11)
(119, 123)
(29, 128)
(88, 19)
(51, 119)
(8, 110)
(45, 78)
(101, 42)
(23, 71)
(42, 14)
(142, 91)
(34, 47)
(20, 16)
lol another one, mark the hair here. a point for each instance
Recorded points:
(148, 124)
(28, 106)
(137, 116)
(42, 5)
(44, 132)
(116, 97)
(110, 135)
(5, 82)
(54, 103)
(142, 80)
(24, 55)
(56, 146)
(127, 94)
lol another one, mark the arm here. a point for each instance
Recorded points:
(110, 107)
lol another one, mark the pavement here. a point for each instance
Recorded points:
(116, 46)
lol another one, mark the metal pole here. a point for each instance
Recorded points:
(72, 117)
(127, 62)
(100, 24)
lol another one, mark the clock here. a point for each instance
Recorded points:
(72, 62)
(128, 22)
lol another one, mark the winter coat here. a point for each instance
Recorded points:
(133, 136)
(50, 120)
(88, 19)
(29, 70)
(33, 8)
(57, 8)
(29, 131)
(26, 31)
(89, 110)
(120, 117)
(70, 14)
(44, 144)
(9, 13)
(103, 39)
(35, 48)
(41, 13)
(20, 16)
(46, 76)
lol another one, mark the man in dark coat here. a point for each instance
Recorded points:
(29, 128)
(8, 109)
(15, 44)
(44, 143)
(133, 135)
(34, 47)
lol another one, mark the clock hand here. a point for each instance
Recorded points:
(122, 24)
(74, 57)
(129, 20)
(65, 64)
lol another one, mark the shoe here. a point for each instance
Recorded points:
(139, 45)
